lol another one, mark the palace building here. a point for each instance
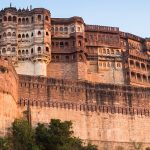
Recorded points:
(96, 76)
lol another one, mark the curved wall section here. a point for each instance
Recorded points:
(8, 96)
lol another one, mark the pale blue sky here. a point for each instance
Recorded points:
(129, 15)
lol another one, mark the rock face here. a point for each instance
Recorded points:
(95, 76)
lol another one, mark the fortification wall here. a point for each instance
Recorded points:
(8, 96)
(40, 88)
(106, 126)
(65, 70)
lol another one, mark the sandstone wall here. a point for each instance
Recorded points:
(62, 70)
(107, 127)
(8, 96)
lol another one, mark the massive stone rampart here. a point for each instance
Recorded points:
(109, 127)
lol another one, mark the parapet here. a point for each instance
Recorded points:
(98, 28)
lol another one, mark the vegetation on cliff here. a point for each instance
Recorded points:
(56, 135)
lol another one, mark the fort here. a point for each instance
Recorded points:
(96, 76)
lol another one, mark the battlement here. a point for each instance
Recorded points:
(139, 111)
(97, 28)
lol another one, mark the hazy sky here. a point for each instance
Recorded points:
(129, 15)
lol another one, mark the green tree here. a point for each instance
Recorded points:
(23, 136)
(59, 136)
(5, 144)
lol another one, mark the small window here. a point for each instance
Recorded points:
(19, 35)
(19, 52)
(3, 50)
(9, 34)
(23, 20)
(61, 44)
(61, 29)
(47, 33)
(39, 18)
(4, 34)
(13, 49)
(32, 19)
(27, 51)
(9, 18)
(14, 34)
(46, 18)
(56, 29)
(23, 36)
(39, 33)
(23, 52)
(19, 20)
(32, 51)
(5, 18)
(72, 29)
(14, 18)
(27, 35)
(39, 49)
(32, 34)
(47, 49)
(27, 20)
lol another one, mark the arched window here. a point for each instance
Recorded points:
(39, 18)
(72, 29)
(19, 52)
(8, 49)
(61, 29)
(4, 50)
(79, 44)
(133, 75)
(52, 43)
(32, 34)
(4, 34)
(27, 35)
(143, 66)
(112, 51)
(5, 18)
(139, 77)
(66, 44)
(32, 19)
(131, 63)
(32, 51)
(27, 52)
(9, 34)
(23, 20)
(27, 20)
(47, 49)
(39, 49)
(39, 33)
(52, 29)
(23, 36)
(19, 35)
(144, 78)
(47, 33)
(14, 18)
(23, 52)
(108, 51)
(66, 29)
(61, 44)
(14, 34)
(138, 65)
(13, 49)
(9, 18)
(46, 18)
(19, 20)
(56, 29)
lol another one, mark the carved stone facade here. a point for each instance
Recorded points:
(98, 77)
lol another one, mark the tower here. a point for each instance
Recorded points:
(25, 39)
